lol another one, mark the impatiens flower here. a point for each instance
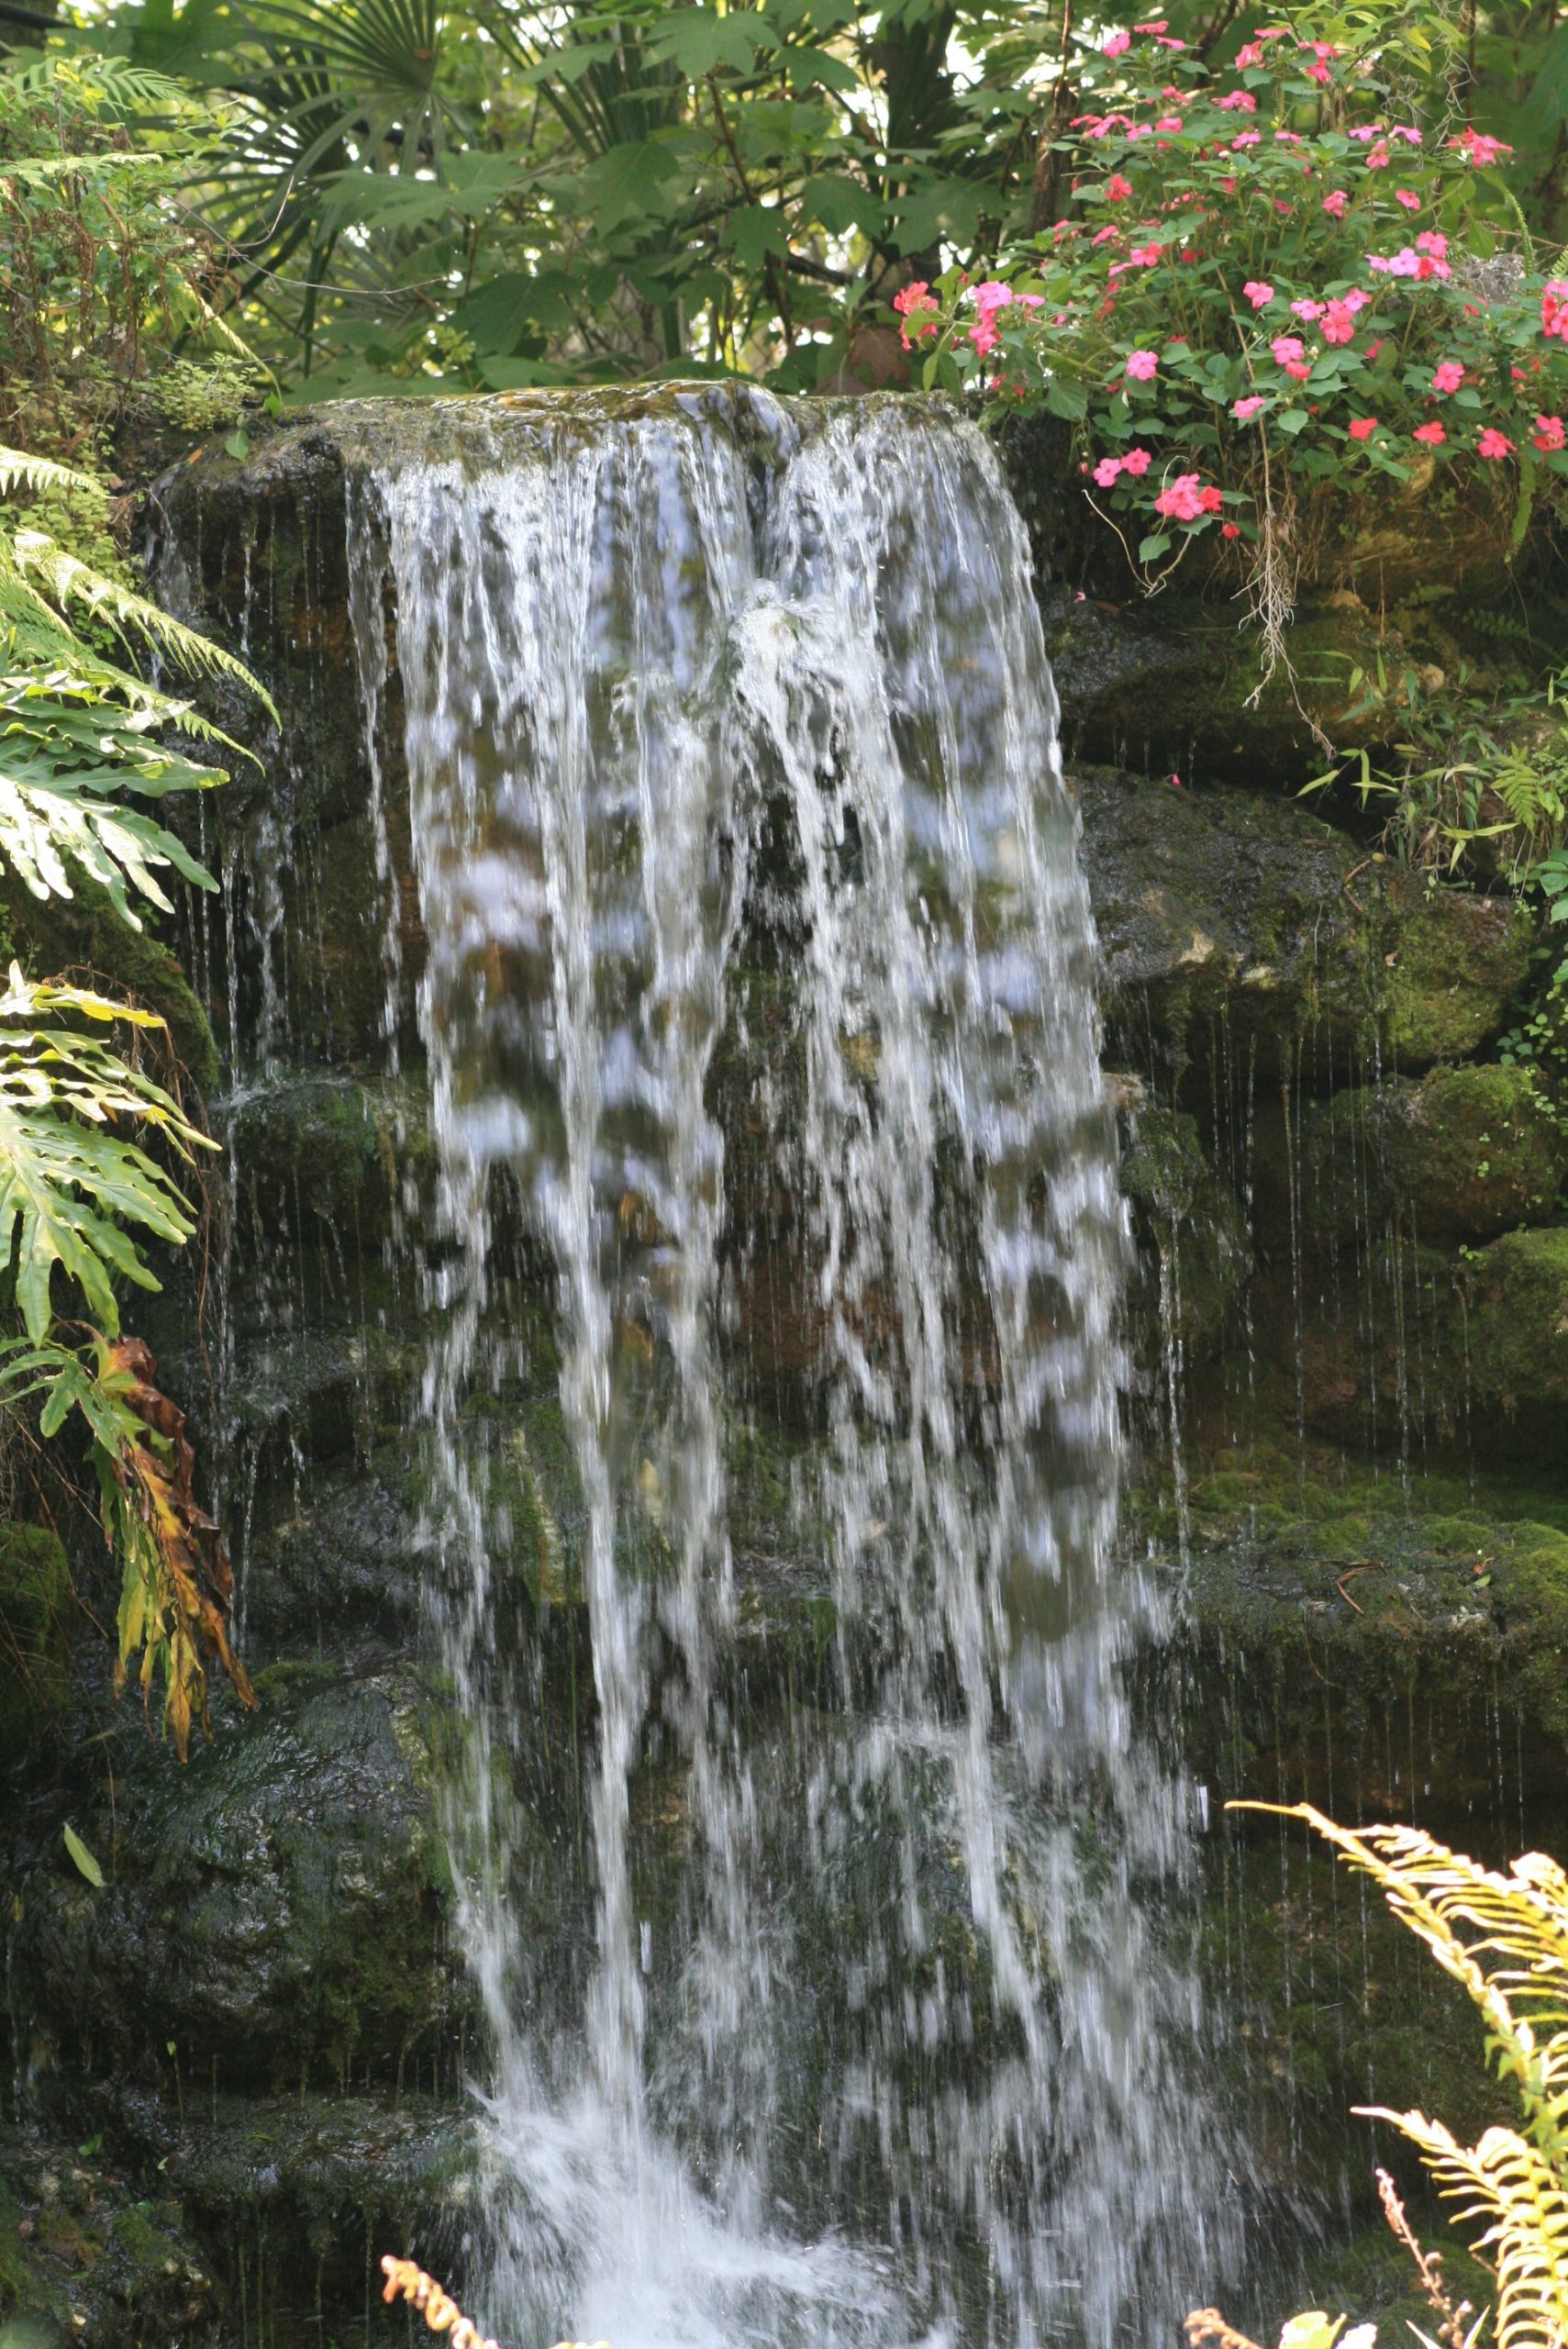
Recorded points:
(1548, 433)
(1159, 24)
(1287, 137)
(992, 295)
(1136, 463)
(1245, 138)
(1185, 501)
(1379, 160)
(1141, 365)
(1448, 377)
(914, 298)
(1249, 406)
(1353, 299)
(1410, 261)
(1145, 256)
(1116, 44)
(1431, 436)
(1306, 309)
(1477, 149)
(1334, 202)
(1172, 122)
(1554, 309)
(1363, 428)
(1409, 198)
(1257, 293)
(1106, 471)
(1494, 443)
(1366, 131)
(1297, 370)
(1288, 350)
(1339, 322)
(984, 338)
(1118, 189)
(1234, 101)
(1230, 530)
(1249, 54)
(1433, 241)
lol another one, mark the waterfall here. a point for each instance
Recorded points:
(759, 1011)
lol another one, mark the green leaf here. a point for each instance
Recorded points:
(699, 40)
(1292, 421)
(1150, 550)
(1066, 399)
(841, 204)
(83, 1858)
(754, 233)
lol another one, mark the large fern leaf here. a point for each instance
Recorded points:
(1502, 1935)
(1508, 2185)
(69, 1181)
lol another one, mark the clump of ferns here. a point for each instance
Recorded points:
(1502, 1935)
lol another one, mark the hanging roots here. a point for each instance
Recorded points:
(1271, 588)
(1206, 2325)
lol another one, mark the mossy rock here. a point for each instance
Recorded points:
(93, 2254)
(1516, 1316)
(1193, 1256)
(278, 1902)
(331, 1160)
(35, 1595)
(1237, 927)
(1459, 1154)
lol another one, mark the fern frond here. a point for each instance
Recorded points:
(1507, 2183)
(19, 470)
(69, 583)
(68, 1182)
(1503, 1936)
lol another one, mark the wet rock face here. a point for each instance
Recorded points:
(272, 1910)
(1242, 919)
(88, 2255)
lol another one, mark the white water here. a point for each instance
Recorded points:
(721, 709)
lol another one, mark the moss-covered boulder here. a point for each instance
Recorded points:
(1239, 924)
(92, 2253)
(35, 1595)
(1515, 1297)
(1193, 1256)
(327, 1159)
(1459, 1154)
(82, 937)
(273, 1912)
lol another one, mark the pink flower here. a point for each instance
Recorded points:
(914, 298)
(1257, 293)
(1185, 501)
(984, 338)
(1494, 443)
(1297, 370)
(1142, 365)
(992, 295)
(1245, 138)
(1229, 185)
(1353, 299)
(1249, 406)
(1411, 136)
(1158, 25)
(1477, 149)
(1288, 350)
(1554, 309)
(1431, 436)
(1363, 428)
(1136, 463)
(1249, 54)
(1319, 73)
(1334, 202)
(1379, 160)
(1366, 131)
(1238, 100)
(1105, 471)
(1409, 198)
(1116, 44)
(1339, 323)
(1306, 309)
(1145, 256)
(1448, 377)
(1172, 122)
(1230, 530)
(1287, 137)
(1410, 261)
(1433, 241)
(1118, 189)
(1548, 433)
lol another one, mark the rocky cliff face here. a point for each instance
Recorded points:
(1350, 1300)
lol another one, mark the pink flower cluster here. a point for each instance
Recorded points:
(1186, 500)
(989, 297)
(1477, 149)
(1135, 462)
(1554, 310)
(1428, 256)
(914, 299)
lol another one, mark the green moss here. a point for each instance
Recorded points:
(1453, 963)
(35, 1591)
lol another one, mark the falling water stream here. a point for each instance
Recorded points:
(726, 717)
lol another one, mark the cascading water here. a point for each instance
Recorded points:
(727, 721)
